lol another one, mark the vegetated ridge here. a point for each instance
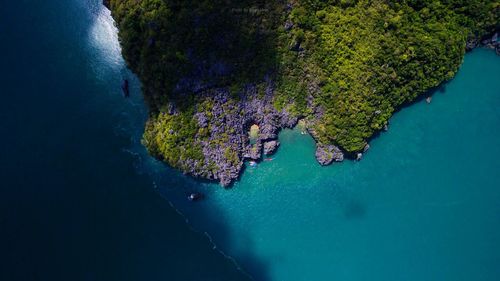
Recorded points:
(211, 69)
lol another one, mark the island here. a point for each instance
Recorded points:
(222, 78)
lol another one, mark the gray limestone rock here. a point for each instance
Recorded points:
(326, 154)
(270, 147)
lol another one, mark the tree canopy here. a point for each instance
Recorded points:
(344, 65)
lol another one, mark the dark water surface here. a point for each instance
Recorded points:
(72, 206)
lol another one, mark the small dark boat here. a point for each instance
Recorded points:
(125, 88)
(195, 196)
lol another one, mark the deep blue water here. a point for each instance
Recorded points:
(81, 200)
(72, 205)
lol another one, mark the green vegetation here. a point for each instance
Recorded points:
(359, 60)
(170, 43)
(171, 138)
(370, 57)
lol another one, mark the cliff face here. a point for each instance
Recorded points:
(211, 69)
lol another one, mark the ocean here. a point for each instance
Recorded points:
(82, 200)
(72, 203)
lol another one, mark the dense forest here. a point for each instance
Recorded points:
(344, 66)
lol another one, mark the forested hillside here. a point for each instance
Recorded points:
(344, 66)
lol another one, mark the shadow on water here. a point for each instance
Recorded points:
(354, 209)
(72, 205)
(203, 215)
(350, 206)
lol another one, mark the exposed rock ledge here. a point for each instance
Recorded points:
(270, 147)
(225, 143)
(491, 41)
(326, 154)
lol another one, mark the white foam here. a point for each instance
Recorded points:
(103, 38)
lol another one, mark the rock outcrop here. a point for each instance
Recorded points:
(491, 42)
(270, 147)
(326, 154)
(253, 152)
(224, 140)
(471, 44)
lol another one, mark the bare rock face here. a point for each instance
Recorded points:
(224, 139)
(492, 42)
(253, 152)
(359, 156)
(366, 148)
(326, 154)
(471, 44)
(270, 147)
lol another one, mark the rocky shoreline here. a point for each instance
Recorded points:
(232, 118)
(218, 144)
(491, 41)
(225, 142)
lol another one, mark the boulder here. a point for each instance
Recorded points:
(471, 44)
(270, 147)
(225, 181)
(288, 25)
(326, 154)
(365, 149)
(359, 156)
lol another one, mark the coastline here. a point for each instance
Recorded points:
(223, 118)
(235, 119)
(293, 201)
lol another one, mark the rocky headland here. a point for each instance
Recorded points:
(225, 142)
(212, 70)
(224, 132)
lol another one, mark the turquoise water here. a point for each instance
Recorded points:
(423, 204)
